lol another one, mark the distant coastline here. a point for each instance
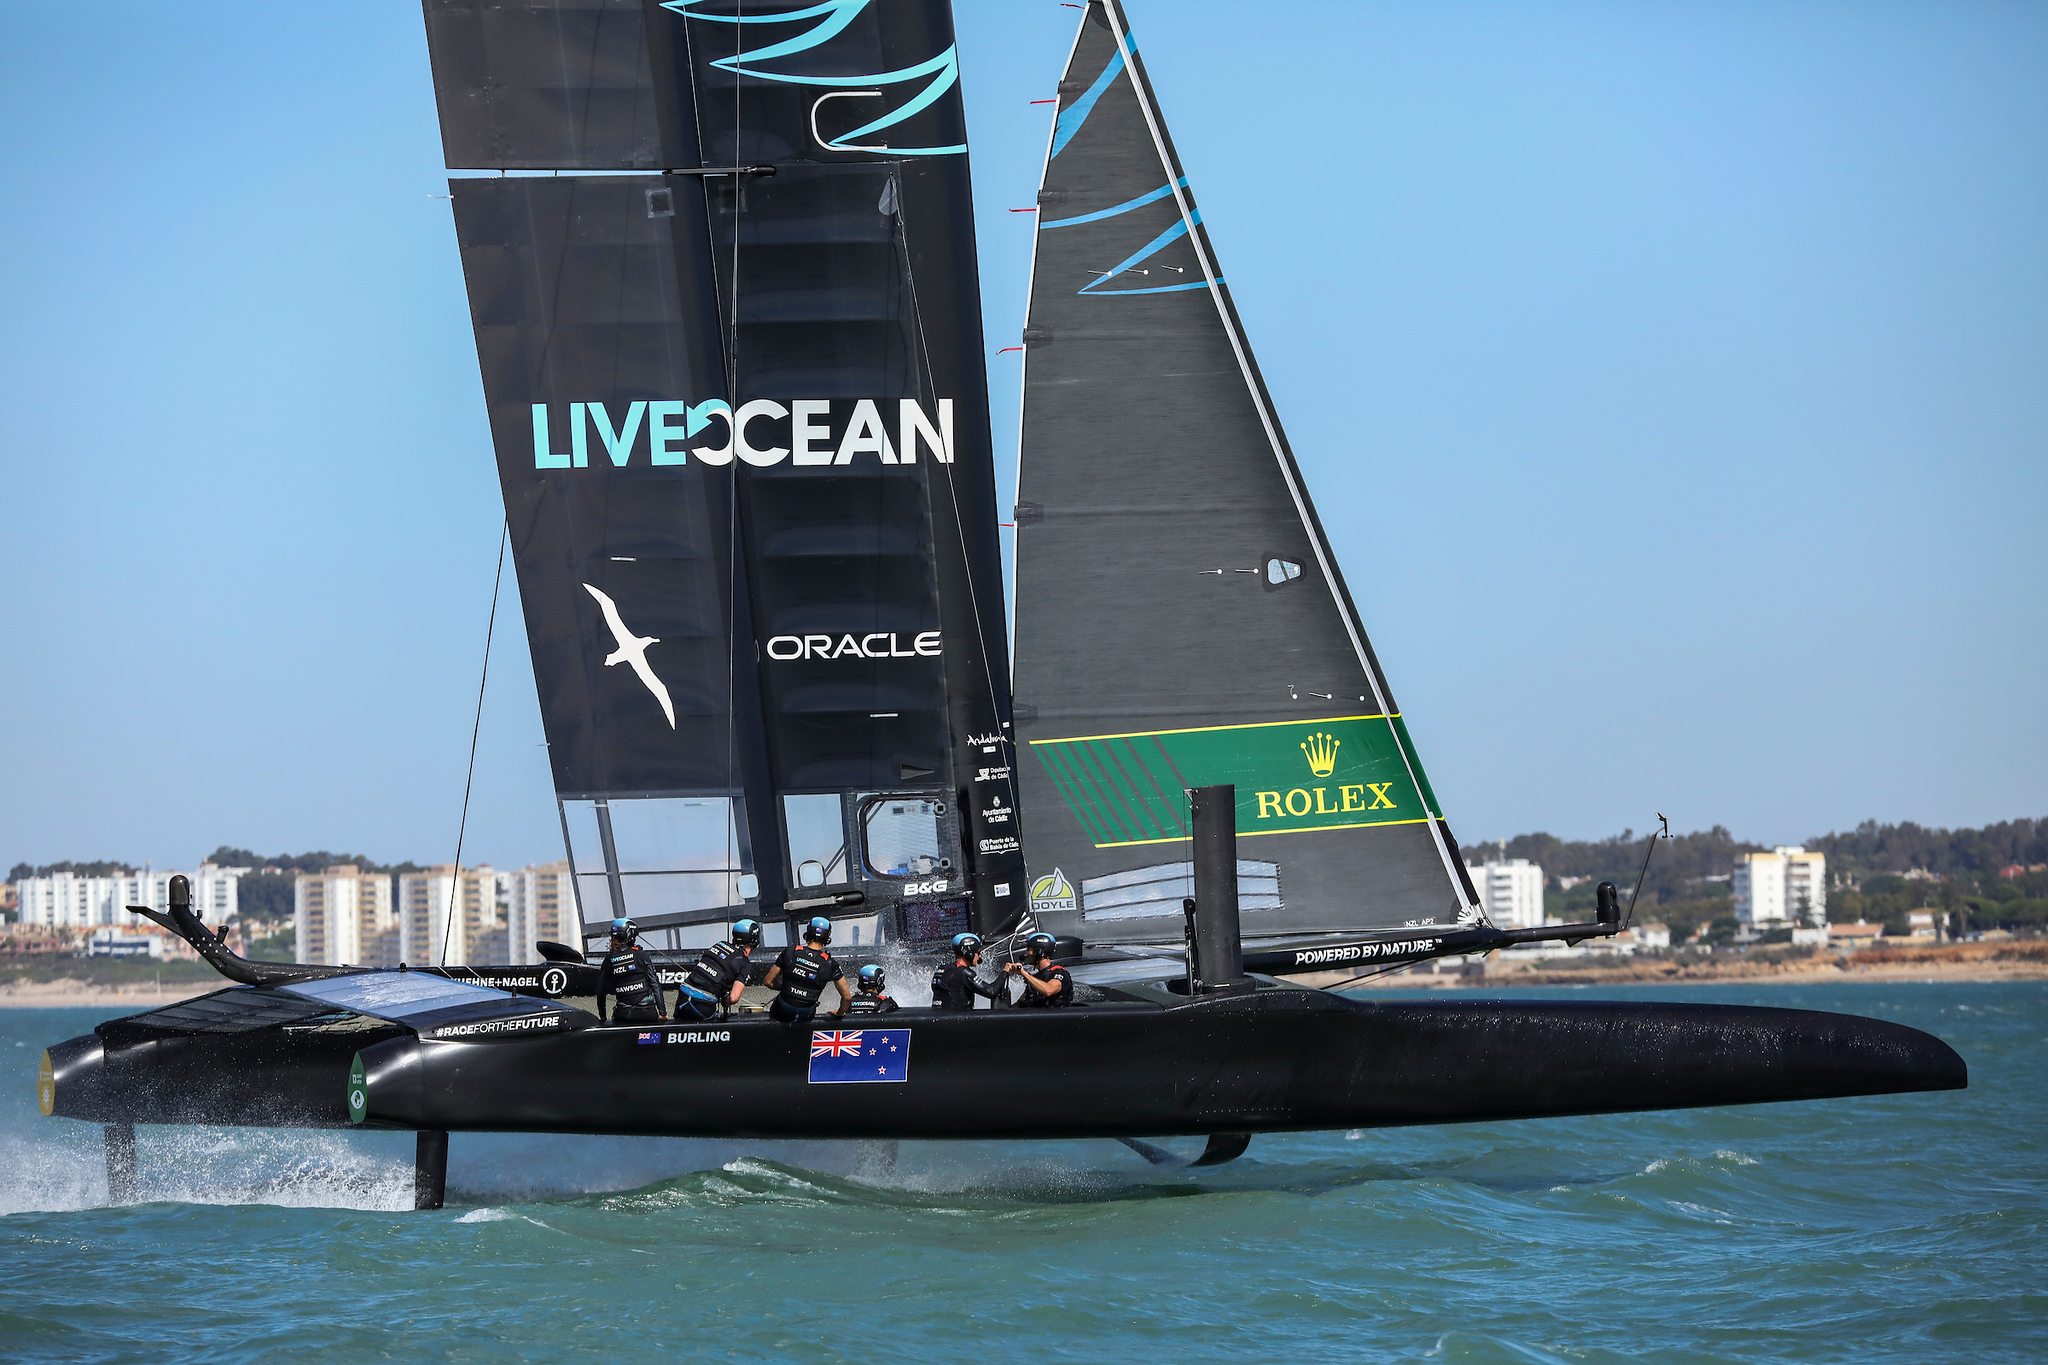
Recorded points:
(2022, 960)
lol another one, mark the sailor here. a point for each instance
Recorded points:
(627, 974)
(803, 973)
(873, 994)
(1046, 985)
(719, 974)
(954, 987)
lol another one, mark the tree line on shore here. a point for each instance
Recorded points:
(1876, 872)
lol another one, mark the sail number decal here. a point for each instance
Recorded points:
(1343, 773)
(762, 432)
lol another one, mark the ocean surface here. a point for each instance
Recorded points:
(1905, 1228)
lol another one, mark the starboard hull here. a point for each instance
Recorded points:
(1273, 1062)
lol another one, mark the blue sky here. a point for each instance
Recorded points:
(1672, 378)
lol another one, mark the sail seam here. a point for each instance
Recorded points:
(1206, 729)
(1142, 89)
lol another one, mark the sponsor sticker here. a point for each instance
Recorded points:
(648, 1038)
(525, 1023)
(358, 1091)
(1052, 893)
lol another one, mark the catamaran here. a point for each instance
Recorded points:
(722, 275)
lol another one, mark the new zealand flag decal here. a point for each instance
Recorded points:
(851, 1056)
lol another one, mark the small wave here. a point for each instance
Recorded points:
(485, 1216)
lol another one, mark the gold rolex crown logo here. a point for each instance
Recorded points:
(1322, 753)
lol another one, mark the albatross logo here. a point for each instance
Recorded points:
(633, 650)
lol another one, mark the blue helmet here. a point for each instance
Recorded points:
(966, 945)
(747, 933)
(819, 930)
(626, 929)
(1039, 945)
(873, 980)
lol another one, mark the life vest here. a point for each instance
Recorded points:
(805, 977)
(629, 978)
(1063, 996)
(712, 974)
(871, 1004)
(954, 987)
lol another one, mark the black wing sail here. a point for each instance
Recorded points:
(1180, 619)
(742, 429)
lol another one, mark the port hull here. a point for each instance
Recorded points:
(1273, 1062)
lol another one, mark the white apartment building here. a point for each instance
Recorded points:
(345, 917)
(540, 903)
(68, 900)
(1510, 892)
(1786, 888)
(444, 898)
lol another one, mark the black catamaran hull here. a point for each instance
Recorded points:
(1276, 1061)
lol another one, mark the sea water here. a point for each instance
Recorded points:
(1892, 1228)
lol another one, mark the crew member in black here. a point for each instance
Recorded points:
(1046, 986)
(718, 976)
(954, 987)
(627, 974)
(803, 973)
(872, 997)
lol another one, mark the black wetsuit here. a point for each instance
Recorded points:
(872, 1004)
(954, 988)
(629, 976)
(704, 990)
(1032, 1000)
(803, 974)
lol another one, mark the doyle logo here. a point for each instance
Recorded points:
(1322, 753)
(762, 432)
(1052, 893)
(875, 645)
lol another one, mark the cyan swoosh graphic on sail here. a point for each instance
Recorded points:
(1069, 123)
(833, 16)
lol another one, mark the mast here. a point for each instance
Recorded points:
(742, 428)
(1181, 620)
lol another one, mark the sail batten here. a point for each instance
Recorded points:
(1212, 593)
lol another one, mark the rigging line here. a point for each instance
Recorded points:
(462, 827)
(1197, 238)
(732, 500)
(1024, 380)
(953, 496)
(1387, 970)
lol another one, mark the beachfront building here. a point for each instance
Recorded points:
(540, 903)
(1510, 892)
(345, 917)
(451, 916)
(67, 900)
(1786, 888)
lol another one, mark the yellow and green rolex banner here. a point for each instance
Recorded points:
(1342, 773)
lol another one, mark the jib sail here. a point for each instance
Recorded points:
(732, 355)
(1180, 620)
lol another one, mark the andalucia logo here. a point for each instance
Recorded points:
(1051, 893)
(1341, 773)
(358, 1091)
